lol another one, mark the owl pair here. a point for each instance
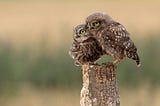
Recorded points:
(101, 35)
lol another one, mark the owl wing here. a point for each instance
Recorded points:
(120, 37)
(74, 52)
(74, 49)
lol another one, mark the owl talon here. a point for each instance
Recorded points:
(96, 63)
(116, 61)
(90, 63)
(107, 63)
(76, 63)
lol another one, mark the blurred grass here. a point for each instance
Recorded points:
(45, 69)
(30, 96)
(35, 36)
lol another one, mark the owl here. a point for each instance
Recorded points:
(113, 37)
(85, 48)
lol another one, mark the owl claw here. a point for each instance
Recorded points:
(76, 63)
(116, 61)
(91, 63)
(108, 63)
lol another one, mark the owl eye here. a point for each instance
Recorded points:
(82, 31)
(96, 24)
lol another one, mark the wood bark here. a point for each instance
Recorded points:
(99, 86)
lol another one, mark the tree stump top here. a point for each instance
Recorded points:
(99, 86)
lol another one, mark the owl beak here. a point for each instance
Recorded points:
(88, 26)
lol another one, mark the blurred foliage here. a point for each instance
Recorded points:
(56, 70)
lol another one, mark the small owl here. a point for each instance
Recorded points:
(113, 37)
(85, 48)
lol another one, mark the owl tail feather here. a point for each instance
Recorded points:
(134, 56)
(138, 63)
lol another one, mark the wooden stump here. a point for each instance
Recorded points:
(99, 86)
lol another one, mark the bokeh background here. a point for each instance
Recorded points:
(35, 36)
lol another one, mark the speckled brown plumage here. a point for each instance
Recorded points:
(112, 36)
(85, 48)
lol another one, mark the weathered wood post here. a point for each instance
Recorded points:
(99, 86)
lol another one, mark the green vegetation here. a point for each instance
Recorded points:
(58, 70)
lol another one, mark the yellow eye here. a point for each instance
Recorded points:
(82, 31)
(96, 24)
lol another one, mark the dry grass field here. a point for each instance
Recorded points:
(27, 22)
(28, 96)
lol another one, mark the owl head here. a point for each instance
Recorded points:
(97, 21)
(80, 33)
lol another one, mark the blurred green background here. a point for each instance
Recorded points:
(35, 36)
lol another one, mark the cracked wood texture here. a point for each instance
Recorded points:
(99, 86)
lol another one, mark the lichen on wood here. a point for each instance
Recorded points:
(99, 86)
